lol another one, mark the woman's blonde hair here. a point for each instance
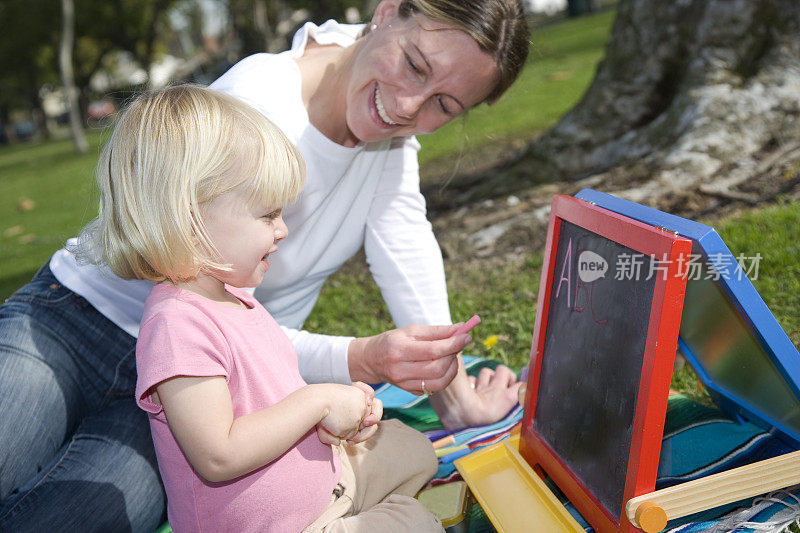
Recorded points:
(172, 151)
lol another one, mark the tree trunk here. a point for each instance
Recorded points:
(67, 77)
(689, 92)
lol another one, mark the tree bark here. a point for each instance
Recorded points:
(689, 91)
(67, 77)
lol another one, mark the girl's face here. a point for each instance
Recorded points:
(244, 237)
(413, 76)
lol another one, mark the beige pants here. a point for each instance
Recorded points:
(379, 480)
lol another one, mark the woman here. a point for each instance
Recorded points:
(76, 451)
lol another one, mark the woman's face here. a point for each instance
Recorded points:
(412, 76)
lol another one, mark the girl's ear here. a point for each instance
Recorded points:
(385, 11)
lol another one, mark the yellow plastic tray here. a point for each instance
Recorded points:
(513, 497)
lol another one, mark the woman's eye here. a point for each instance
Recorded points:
(443, 106)
(412, 66)
(273, 215)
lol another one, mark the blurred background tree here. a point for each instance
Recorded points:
(124, 45)
(27, 59)
(68, 75)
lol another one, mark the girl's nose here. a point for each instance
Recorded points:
(281, 230)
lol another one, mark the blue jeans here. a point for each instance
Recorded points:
(75, 450)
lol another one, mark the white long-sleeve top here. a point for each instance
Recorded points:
(367, 195)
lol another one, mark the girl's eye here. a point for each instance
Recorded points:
(273, 215)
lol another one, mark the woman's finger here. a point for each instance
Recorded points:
(437, 374)
(431, 350)
(485, 377)
(433, 382)
(424, 343)
(432, 333)
(436, 384)
(504, 376)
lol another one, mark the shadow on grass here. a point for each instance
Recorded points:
(10, 284)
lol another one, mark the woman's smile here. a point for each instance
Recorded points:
(380, 109)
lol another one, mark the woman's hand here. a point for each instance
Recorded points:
(406, 356)
(471, 401)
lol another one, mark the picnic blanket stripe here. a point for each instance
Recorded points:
(697, 424)
(741, 454)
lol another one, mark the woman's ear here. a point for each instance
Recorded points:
(385, 11)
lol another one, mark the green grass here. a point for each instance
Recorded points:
(46, 196)
(775, 234)
(560, 67)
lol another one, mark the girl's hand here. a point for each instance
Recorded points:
(347, 408)
(366, 429)
(369, 425)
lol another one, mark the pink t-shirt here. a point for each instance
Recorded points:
(185, 334)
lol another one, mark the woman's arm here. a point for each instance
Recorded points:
(406, 262)
(220, 447)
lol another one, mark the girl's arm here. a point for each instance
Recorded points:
(199, 412)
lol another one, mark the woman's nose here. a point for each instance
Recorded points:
(408, 105)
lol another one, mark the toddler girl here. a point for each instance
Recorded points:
(192, 184)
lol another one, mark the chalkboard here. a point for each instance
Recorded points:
(592, 361)
(604, 344)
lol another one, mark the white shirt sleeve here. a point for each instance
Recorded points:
(401, 249)
(321, 358)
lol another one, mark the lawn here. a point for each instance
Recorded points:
(46, 195)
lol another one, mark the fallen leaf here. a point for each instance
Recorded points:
(25, 204)
(13, 231)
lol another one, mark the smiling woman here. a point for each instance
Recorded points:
(351, 99)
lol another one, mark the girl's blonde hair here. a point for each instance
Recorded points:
(172, 151)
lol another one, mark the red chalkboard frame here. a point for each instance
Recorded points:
(658, 358)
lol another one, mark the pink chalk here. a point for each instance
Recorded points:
(468, 325)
